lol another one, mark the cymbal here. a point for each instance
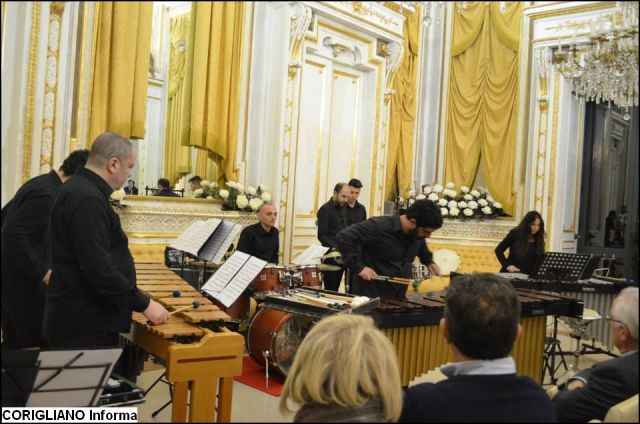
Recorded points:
(334, 254)
(327, 267)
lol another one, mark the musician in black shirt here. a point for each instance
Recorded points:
(387, 246)
(525, 243)
(332, 217)
(93, 284)
(262, 240)
(25, 271)
(356, 212)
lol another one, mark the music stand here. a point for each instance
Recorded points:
(559, 266)
(56, 378)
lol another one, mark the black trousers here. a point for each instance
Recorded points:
(332, 279)
(22, 320)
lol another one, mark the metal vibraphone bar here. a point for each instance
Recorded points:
(412, 325)
(200, 355)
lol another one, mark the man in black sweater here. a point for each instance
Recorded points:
(589, 394)
(332, 218)
(25, 271)
(480, 324)
(262, 240)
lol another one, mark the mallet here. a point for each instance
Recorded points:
(194, 305)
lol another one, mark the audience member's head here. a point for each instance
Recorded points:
(355, 186)
(268, 215)
(164, 184)
(346, 361)
(341, 193)
(481, 316)
(195, 182)
(424, 217)
(76, 160)
(624, 320)
(131, 183)
(112, 157)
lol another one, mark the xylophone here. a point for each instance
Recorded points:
(412, 325)
(200, 354)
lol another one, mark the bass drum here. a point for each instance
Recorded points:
(274, 337)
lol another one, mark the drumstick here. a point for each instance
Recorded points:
(397, 280)
(194, 305)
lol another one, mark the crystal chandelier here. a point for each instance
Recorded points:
(605, 69)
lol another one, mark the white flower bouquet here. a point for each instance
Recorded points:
(465, 203)
(235, 196)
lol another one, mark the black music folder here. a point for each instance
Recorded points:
(207, 240)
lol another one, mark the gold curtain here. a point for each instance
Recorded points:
(403, 112)
(482, 109)
(177, 158)
(213, 72)
(122, 46)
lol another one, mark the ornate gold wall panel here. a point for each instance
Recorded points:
(50, 87)
(31, 87)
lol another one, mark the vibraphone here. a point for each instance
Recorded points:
(200, 354)
(412, 325)
(595, 293)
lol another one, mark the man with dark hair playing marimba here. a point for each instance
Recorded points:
(386, 246)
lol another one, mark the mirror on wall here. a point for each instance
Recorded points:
(160, 154)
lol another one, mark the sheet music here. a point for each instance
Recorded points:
(77, 385)
(195, 236)
(311, 255)
(223, 236)
(233, 277)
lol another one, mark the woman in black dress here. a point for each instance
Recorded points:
(525, 243)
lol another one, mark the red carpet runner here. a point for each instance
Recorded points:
(253, 376)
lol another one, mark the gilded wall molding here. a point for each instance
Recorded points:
(543, 108)
(50, 87)
(300, 21)
(153, 219)
(394, 53)
(30, 88)
(82, 79)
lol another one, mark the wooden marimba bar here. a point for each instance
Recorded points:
(200, 355)
(412, 325)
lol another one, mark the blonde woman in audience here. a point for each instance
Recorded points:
(345, 370)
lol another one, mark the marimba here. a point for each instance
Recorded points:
(596, 293)
(200, 355)
(412, 325)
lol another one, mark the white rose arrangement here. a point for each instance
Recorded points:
(463, 204)
(116, 198)
(234, 196)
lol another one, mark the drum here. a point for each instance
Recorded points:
(311, 276)
(269, 279)
(273, 338)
